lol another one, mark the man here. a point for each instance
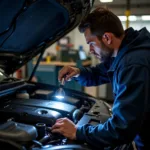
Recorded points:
(125, 62)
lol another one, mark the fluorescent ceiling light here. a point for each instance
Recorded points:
(132, 18)
(124, 18)
(106, 1)
(145, 17)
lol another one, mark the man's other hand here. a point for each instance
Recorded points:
(65, 127)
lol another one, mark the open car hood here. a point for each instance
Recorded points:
(28, 27)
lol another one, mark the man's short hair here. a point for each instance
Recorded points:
(102, 20)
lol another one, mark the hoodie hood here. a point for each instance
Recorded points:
(134, 40)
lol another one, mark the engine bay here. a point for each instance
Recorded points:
(30, 110)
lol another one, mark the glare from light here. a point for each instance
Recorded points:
(145, 17)
(59, 96)
(106, 1)
(60, 93)
(54, 113)
(58, 105)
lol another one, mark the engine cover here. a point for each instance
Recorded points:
(33, 111)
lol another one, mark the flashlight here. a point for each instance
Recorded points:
(60, 93)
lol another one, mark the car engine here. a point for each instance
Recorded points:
(28, 110)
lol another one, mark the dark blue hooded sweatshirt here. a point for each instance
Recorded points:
(129, 74)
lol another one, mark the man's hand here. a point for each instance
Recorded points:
(65, 127)
(68, 72)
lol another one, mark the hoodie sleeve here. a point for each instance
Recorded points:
(128, 110)
(93, 76)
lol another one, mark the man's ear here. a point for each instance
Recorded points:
(107, 38)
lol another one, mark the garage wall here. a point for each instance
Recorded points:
(78, 38)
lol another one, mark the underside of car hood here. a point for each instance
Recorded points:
(28, 27)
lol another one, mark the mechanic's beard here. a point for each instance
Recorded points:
(106, 53)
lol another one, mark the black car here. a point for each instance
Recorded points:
(28, 109)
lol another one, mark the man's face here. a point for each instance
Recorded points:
(97, 47)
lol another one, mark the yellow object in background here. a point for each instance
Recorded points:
(48, 58)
